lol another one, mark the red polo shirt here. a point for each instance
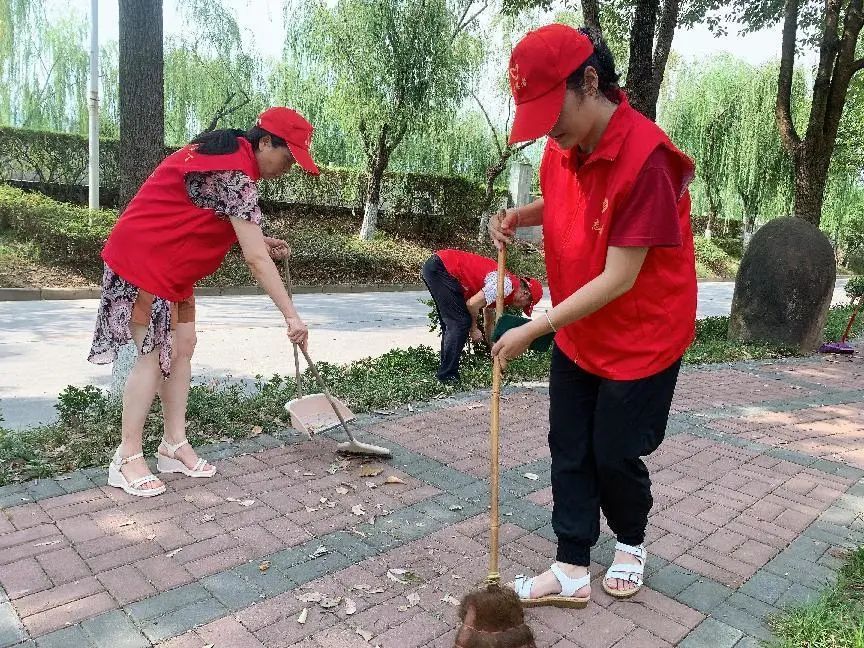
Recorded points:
(598, 200)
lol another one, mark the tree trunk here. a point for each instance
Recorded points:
(591, 14)
(811, 175)
(640, 73)
(377, 166)
(492, 174)
(142, 102)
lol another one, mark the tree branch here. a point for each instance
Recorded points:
(783, 109)
(845, 66)
(463, 22)
(227, 109)
(491, 125)
(591, 14)
(858, 65)
(825, 70)
(665, 34)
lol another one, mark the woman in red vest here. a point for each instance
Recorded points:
(615, 213)
(462, 284)
(177, 229)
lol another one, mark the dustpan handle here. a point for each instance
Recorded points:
(289, 287)
(494, 432)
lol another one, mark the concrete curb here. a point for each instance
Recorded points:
(50, 294)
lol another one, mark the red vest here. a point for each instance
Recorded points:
(648, 328)
(470, 271)
(163, 243)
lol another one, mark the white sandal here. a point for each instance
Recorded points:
(118, 480)
(566, 598)
(630, 572)
(167, 464)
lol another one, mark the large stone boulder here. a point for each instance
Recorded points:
(784, 287)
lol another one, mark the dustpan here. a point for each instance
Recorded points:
(507, 322)
(316, 413)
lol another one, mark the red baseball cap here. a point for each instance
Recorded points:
(536, 294)
(539, 67)
(295, 130)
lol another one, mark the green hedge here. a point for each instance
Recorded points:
(64, 233)
(56, 164)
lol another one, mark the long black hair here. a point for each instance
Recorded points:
(603, 62)
(224, 141)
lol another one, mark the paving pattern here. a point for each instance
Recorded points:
(758, 492)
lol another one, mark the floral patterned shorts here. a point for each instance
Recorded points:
(124, 304)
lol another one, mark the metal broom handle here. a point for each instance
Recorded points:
(494, 431)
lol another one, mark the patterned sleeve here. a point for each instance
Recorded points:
(490, 287)
(228, 193)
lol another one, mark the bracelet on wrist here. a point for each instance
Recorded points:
(549, 320)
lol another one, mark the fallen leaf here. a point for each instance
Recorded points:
(451, 600)
(330, 505)
(328, 603)
(245, 502)
(371, 471)
(410, 409)
(303, 615)
(171, 554)
(208, 518)
(413, 599)
(362, 587)
(256, 430)
(152, 536)
(320, 551)
(342, 490)
(348, 485)
(455, 507)
(264, 566)
(323, 500)
(372, 484)
(350, 606)
(365, 634)
(396, 575)
(47, 544)
(383, 413)
(376, 590)
(393, 479)
(310, 597)
(358, 510)
(308, 474)
(125, 524)
(312, 509)
(531, 476)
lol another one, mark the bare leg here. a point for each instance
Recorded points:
(138, 395)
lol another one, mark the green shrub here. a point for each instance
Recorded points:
(712, 257)
(65, 233)
(855, 287)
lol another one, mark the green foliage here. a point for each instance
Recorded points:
(711, 260)
(89, 426)
(855, 287)
(63, 232)
(835, 620)
(722, 114)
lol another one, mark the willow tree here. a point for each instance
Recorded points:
(398, 66)
(702, 117)
(213, 76)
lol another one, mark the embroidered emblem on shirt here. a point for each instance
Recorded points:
(597, 227)
(605, 205)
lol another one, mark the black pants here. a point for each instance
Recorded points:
(452, 312)
(598, 430)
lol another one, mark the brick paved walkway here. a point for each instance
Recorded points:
(758, 489)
